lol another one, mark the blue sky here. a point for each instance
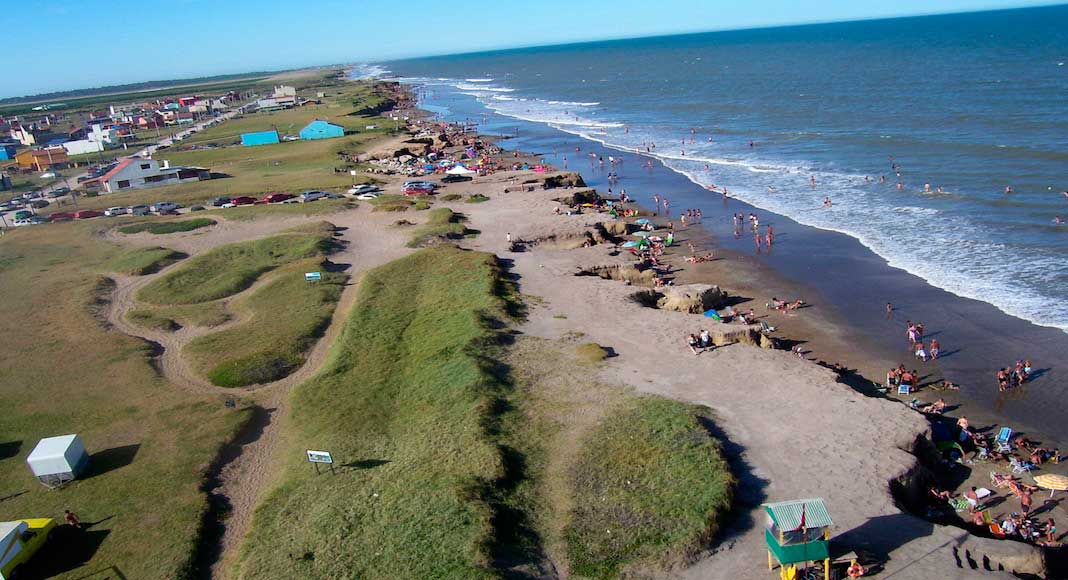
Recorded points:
(68, 44)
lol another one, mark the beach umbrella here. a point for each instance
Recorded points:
(1052, 482)
(642, 221)
(713, 315)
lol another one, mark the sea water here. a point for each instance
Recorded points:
(969, 104)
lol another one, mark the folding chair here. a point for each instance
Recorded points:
(1002, 440)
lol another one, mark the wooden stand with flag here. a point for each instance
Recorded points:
(798, 531)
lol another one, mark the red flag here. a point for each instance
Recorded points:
(801, 526)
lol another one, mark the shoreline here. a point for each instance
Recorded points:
(826, 331)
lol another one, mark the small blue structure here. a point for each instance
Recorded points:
(321, 130)
(7, 150)
(259, 138)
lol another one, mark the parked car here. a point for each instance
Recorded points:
(334, 196)
(420, 183)
(452, 178)
(165, 207)
(277, 197)
(361, 189)
(114, 211)
(49, 175)
(417, 190)
(139, 210)
(242, 200)
(292, 200)
(38, 203)
(220, 201)
(20, 540)
(290, 138)
(23, 214)
(87, 213)
(61, 216)
(59, 192)
(367, 196)
(197, 208)
(25, 222)
(312, 195)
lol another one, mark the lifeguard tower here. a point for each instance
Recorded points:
(798, 531)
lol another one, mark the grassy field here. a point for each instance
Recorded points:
(229, 269)
(287, 316)
(142, 261)
(613, 482)
(62, 372)
(169, 227)
(404, 404)
(204, 314)
(649, 488)
(442, 223)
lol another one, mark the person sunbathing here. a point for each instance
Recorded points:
(937, 408)
(795, 304)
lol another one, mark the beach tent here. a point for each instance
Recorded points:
(713, 315)
(58, 460)
(459, 170)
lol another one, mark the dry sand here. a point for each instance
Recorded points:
(794, 432)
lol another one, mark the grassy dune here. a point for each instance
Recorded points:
(142, 261)
(287, 316)
(229, 269)
(62, 372)
(168, 227)
(649, 488)
(441, 223)
(404, 404)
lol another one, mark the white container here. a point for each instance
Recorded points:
(57, 460)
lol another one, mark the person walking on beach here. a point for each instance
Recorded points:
(935, 349)
(889, 310)
(1025, 501)
(920, 352)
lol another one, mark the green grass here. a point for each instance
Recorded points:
(392, 202)
(205, 315)
(229, 269)
(476, 198)
(171, 227)
(142, 261)
(421, 205)
(442, 223)
(451, 197)
(62, 371)
(649, 488)
(591, 351)
(404, 404)
(253, 212)
(287, 316)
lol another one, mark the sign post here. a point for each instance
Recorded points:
(313, 276)
(317, 457)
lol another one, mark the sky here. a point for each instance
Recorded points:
(70, 44)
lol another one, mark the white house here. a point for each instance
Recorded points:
(83, 146)
(138, 172)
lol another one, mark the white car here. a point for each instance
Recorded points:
(367, 196)
(290, 138)
(48, 175)
(312, 195)
(25, 222)
(291, 200)
(365, 188)
(114, 211)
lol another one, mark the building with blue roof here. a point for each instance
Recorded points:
(259, 138)
(319, 129)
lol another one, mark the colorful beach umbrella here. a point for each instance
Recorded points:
(1052, 482)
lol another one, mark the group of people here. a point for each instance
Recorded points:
(902, 377)
(1011, 377)
(923, 352)
(701, 340)
(785, 305)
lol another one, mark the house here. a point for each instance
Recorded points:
(30, 135)
(83, 146)
(7, 150)
(319, 129)
(259, 138)
(139, 172)
(44, 159)
(283, 97)
(186, 101)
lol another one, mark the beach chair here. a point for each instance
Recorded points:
(996, 530)
(904, 389)
(766, 328)
(1020, 466)
(1002, 440)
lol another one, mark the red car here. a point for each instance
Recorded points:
(418, 190)
(61, 216)
(277, 197)
(87, 213)
(243, 200)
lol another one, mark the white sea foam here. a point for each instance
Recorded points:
(479, 80)
(368, 71)
(950, 255)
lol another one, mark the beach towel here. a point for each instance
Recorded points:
(713, 315)
(958, 503)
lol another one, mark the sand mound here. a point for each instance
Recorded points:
(624, 272)
(564, 180)
(580, 197)
(692, 298)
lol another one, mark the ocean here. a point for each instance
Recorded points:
(913, 127)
